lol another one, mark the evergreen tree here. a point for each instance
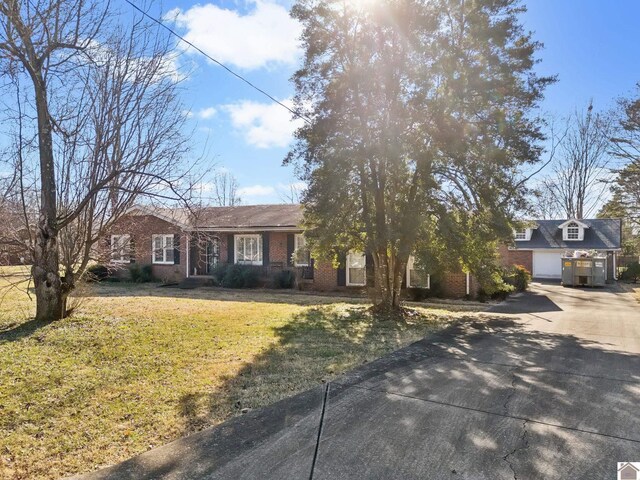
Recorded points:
(419, 124)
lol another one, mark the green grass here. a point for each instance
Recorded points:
(138, 366)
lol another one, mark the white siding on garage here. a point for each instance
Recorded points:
(547, 264)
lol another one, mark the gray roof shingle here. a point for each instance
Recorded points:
(602, 234)
(237, 217)
(251, 216)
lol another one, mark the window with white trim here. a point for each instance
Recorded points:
(163, 249)
(248, 249)
(120, 248)
(520, 235)
(572, 231)
(301, 254)
(356, 269)
(417, 277)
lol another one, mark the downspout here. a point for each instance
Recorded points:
(468, 284)
(615, 266)
(188, 250)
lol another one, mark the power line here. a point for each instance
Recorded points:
(199, 50)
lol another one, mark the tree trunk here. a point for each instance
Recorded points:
(46, 259)
(46, 279)
(388, 282)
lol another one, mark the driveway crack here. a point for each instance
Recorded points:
(512, 392)
(325, 397)
(523, 444)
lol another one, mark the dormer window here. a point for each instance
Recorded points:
(573, 230)
(522, 235)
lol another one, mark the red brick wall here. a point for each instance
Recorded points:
(454, 285)
(325, 277)
(141, 228)
(278, 247)
(510, 257)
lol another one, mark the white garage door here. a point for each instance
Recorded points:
(547, 264)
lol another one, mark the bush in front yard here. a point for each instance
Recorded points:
(218, 272)
(498, 288)
(284, 279)
(238, 276)
(97, 273)
(519, 277)
(250, 277)
(631, 273)
(140, 274)
(232, 277)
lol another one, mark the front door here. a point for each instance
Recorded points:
(212, 254)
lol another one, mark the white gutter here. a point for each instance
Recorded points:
(243, 229)
(468, 284)
(188, 250)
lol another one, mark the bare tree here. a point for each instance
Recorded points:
(579, 175)
(225, 190)
(108, 131)
(545, 204)
(292, 193)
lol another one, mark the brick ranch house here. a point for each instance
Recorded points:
(541, 246)
(267, 237)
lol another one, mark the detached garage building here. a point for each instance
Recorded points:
(541, 246)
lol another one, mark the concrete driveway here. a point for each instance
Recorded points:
(546, 387)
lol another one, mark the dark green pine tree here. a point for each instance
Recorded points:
(420, 123)
(626, 147)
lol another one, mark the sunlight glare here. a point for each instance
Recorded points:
(363, 4)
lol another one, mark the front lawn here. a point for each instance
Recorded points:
(138, 366)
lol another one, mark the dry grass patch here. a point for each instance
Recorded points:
(138, 366)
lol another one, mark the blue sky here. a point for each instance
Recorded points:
(592, 45)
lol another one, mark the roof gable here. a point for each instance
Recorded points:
(573, 220)
(599, 234)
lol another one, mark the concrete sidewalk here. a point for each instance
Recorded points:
(548, 386)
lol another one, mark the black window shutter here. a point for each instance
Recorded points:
(342, 269)
(312, 264)
(132, 251)
(291, 246)
(265, 248)
(109, 251)
(370, 273)
(176, 249)
(230, 249)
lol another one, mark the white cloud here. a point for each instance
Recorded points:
(137, 67)
(207, 113)
(265, 35)
(263, 125)
(256, 191)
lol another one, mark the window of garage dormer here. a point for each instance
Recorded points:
(573, 231)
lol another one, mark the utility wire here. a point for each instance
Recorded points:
(199, 50)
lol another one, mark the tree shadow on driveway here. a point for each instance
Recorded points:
(479, 398)
(526, 302)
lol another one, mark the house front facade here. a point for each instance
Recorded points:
(180, 244)
(541, 245)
